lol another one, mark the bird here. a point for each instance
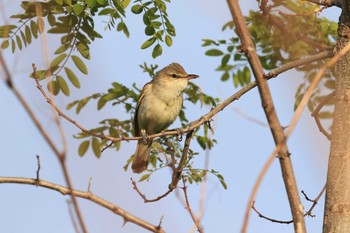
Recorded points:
(158, 106)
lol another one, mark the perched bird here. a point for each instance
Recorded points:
(158, 106)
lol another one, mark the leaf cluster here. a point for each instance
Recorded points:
(281, 33)
(157, 24)
(74, 21)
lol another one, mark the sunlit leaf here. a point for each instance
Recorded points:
(63, 85)
(72, 77)
(84, 146)
(80, 64)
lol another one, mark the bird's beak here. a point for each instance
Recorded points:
(192, 76)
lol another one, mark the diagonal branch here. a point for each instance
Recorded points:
(272, 118)
(85, 195)
(205, 118)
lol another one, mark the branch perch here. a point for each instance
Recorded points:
(85, 195)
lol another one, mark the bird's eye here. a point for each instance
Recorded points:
(174, 75)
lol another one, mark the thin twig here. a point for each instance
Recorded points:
(72, 217)
(317, 111)
(189, 209)
(307, 213)
(314, 201)
(85, 195)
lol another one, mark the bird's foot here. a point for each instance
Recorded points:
(145, 138)
(179, 134)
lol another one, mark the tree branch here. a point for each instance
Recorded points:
(272, 118)
(85, 195)
(176, 176)
(317, 111)
(188, 208)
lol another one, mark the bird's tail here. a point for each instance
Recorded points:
(141, 156)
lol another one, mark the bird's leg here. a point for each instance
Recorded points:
(145, 138)
(179, 134)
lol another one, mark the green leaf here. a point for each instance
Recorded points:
(214, 52)
(58, 60)
(19, 42)
(53, 87)
(201, 141)
(91, 3)
(60, 2)
(72, 104)
(34, 28)
(63, 85)
(106, 11)
(225, 76)
(6, 30)
(84, 146)
(101, 103)
(246, 75)
(5, 44)
(62, 48)
(60, 30)
(81, 104)
(157, 51)
(13, 45)
(78, 8)
(96, 147)
(24, 39)
(28, 34)
(168, 40)
(225, 59)
(144, 177)
(148, 43)
(149, 31)
(72, 77)
(136, 9)
(101, 2)
(84, 50)
(51, 19)
(80, 64)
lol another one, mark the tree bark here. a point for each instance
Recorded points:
(337, 205)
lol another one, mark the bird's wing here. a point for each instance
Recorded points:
(139, 101)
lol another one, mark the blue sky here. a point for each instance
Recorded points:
(242, 149)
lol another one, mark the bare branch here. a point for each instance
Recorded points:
(188, 208)
(307, 213)
(247, 46)
(317, 111)
(85, 195)
(292, 125)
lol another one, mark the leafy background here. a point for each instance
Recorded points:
(117, 58)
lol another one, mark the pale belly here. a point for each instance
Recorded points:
(155, 115)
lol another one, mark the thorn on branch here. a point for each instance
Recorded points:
(89, 185)
(38, 169)
(107, 146)
(160, 223)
